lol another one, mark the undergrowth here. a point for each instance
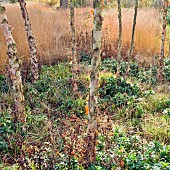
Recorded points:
(55, 130)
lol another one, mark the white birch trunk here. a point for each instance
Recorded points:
(73, 37)
(17, 88)
(94, 76)
(31, 41)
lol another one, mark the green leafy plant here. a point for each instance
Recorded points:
(111, 66)
(6, 129)
(3, 85)
(54, 91)
(118, 90)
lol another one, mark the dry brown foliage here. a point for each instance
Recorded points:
(52, 32)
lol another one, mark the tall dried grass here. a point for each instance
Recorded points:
(52, 32)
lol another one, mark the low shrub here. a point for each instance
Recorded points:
(3, 85)
(54, 91)
(167, 72)
(131, 152)
(144, 75)
(110, 65)
(118, 91)
(6, 129)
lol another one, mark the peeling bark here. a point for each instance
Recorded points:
(15, 69)
(94, 76)
(120, 37)
(97, 40)
(31, 41)
(160, 76)
(132, 40)
(73, 37)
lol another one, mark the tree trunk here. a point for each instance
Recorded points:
(132, 40)
(31, 41)
(19, 101)
(94, 76)
(73, 36)
(63, 3)
(120, 37)
(160, 76)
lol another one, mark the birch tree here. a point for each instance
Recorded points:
(160, 76)
(31, 41)
(120, 37)
(73, 37)
(15, 67)
(94, 76)
(132, 39)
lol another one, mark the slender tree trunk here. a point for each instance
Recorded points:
(160, 76)
(132, 40)
(120, 37)
(31, 41)
(94, 76)
(17, 88)
(73, 36)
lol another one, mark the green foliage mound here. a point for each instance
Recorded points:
(143, 75)
(3, 85)
(111, 66)
(131, 152)
(6, 129)
(167, 69)
(53, 92)
(119, 91)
